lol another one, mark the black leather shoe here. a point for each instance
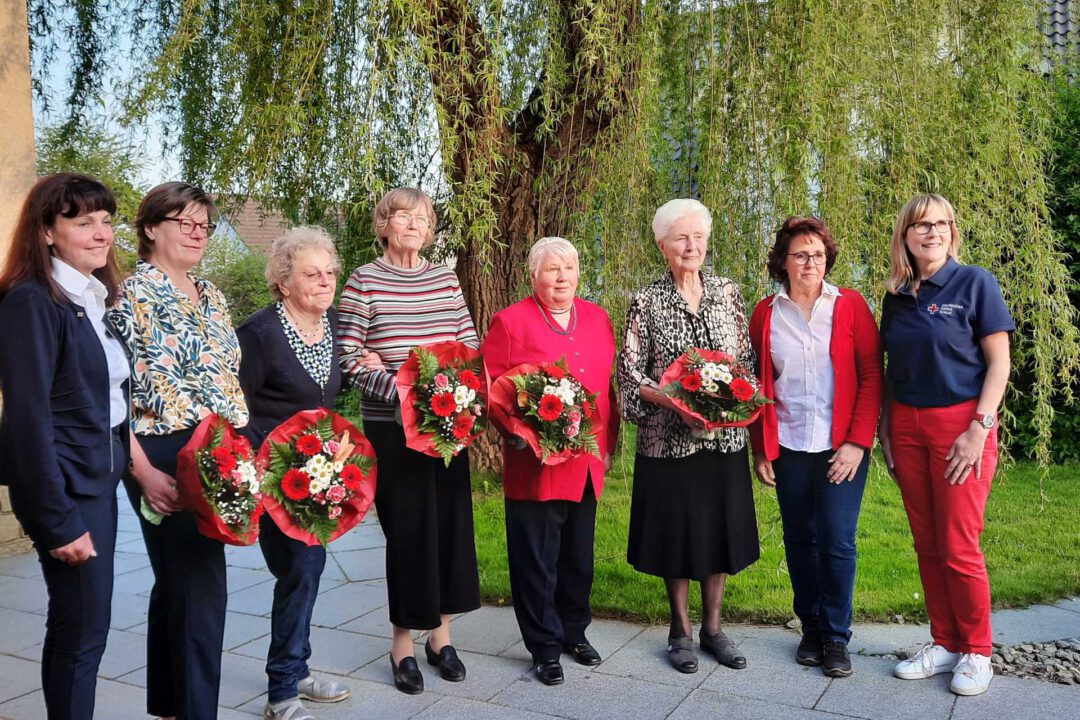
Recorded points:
(837, 661)
(549, 673)
(583, 654)
(809, 652)
(407, 677)
(723, 649)
(450, 666)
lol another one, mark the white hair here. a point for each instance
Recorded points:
(285, 250)
(673, 210)
(549, 246)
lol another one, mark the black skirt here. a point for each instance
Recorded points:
(692, 517)
(425, 510)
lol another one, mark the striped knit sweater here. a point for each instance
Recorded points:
(391, 310)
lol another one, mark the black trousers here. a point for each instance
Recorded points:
(550, 552)
(425, 510)
(186, 618)
(80, 608)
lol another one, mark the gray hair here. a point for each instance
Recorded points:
(285, 250)
(549, 246)
(674, 210)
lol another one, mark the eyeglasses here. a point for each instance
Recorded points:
(188, 226)
(802, 258)
(404, 219)
(923, 227)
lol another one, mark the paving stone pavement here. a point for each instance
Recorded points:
(350, 638)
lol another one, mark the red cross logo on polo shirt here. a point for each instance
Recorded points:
(933, 308)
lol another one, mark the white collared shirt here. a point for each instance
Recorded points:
(89, 293)
(804, 372)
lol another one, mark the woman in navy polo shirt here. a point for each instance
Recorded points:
(945, 329)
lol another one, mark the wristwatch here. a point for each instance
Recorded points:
(987, 420)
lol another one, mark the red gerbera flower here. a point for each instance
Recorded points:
(295, 484)
(468, 379)
(741, 389)
(443, 404)
(691, 382)
(224, 458)
(308, 444)
(586, 407)
(351, 476)
(242, 447)
(463, 426)
(556, 372)
(550, 407)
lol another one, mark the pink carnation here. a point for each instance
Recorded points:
(335, 493)
(572, 430)
(441, 381)
(574, 417)
(330, 447)
(333, 512)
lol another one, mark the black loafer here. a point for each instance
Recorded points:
(723, 649)
(407, 677)
(583, 654)
(549, 673)
(450, 666)
(810, 652)
(680, 653)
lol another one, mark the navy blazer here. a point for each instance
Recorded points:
(55, 435)
(276, 386)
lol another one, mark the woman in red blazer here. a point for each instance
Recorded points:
(551, 510)
(820, 360)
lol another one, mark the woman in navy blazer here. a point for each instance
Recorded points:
(63, 433)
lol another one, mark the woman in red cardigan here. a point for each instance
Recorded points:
(551, 510)
(820, 359)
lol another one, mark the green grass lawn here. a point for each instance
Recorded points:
(1032, 548)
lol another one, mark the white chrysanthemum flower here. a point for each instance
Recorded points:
(316, 486)
(724, 375)
(550, 389)
(710, 386)
(463, 396)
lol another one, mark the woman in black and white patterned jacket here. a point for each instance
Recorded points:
(692, 514)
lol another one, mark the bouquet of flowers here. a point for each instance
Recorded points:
(442, 404)
(548, 408)
(712, 387)
(320, 476)
(219, 482)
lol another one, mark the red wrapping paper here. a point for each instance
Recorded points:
(503, 407)
(189, 486)
(407, 376)
(352, 510)
(679, 368)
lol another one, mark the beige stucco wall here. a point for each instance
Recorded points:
(17, 172)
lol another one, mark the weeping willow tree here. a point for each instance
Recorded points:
(578, 117)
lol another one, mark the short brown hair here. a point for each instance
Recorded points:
(62, 194)
(797, 226)
(162, 202)
(402, 199)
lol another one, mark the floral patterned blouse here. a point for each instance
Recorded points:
(659, 328)
(185, 355)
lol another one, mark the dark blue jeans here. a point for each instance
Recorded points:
(819, 538)
(298, 569)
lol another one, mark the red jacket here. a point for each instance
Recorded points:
(518, 335)
(855, 350)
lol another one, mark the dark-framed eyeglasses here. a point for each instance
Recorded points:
(924, 227)
(801, 258)
(188, 226)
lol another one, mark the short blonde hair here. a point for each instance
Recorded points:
(902, 274)
(673, 210)
(549, 246)
(406, 199)
(285, 249)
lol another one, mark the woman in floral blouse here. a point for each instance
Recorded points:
(185, 364)
(692, 512)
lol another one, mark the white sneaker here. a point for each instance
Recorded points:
(972, 675)
(928, 662)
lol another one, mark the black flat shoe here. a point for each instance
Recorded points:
(549, 673)
(450, 666)
(723, 649)
(407, 677)
(680, 653)
(810, 652)
(583, 654)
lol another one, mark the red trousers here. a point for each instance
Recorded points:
(946, 521)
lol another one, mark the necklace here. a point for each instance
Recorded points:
(555, 328)
(305, 334)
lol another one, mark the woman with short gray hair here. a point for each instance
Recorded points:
(692, 512)
(289, 364)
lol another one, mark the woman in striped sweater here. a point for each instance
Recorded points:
(387, 308)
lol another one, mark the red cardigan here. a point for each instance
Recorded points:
(518, 335)
(855, 350)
